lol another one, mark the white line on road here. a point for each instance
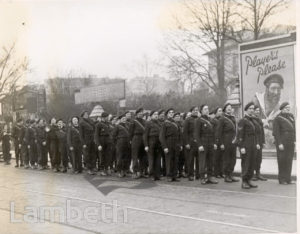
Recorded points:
(153, 211)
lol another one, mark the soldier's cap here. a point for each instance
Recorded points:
(152, 112)
(161, 111)
(83, 112)
(75, 116)
(225, 106)
(121, 116)
(19, 120)
(202, 106)
(32, 121)
(114, 117)
(59, 120)
(141, 109)
(177, 114)
(274, 78)
(248, 105)
(192, 108)
(167, 111)
(283, 105)
(256, 106)
(27, 121)
(104, 114)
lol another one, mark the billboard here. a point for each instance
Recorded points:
(267, 77)
(99, 93)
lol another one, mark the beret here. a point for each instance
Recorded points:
(121, 116)
(202, 106)
(126, 112)
(167, 111)
(75, 117)
(225, 106)
(32, 121)
(19, 120)
(152, 112)
(283, 105)
(274, 78)
(161, 111)
(139, 110)
(83, 112)
(192, 108)
(104, 114)
(248, 105)
(177, 113)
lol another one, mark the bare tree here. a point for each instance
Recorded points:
(11, 70)
(207, 27)
(255, 13)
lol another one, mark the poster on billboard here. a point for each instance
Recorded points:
(267, 76)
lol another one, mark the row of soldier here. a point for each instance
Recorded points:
(197, 145)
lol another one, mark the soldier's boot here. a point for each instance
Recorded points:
(234, 179)
(260, 177)
(245, 185)
(191, 178)
(204, 181)
(211, 180)
(227, 179)
(91, 172)
(252, 185)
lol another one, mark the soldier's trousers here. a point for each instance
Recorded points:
(89, 154)
(248, 159)
(206, 160)
(63, 153)
(76, 155)
(154, 157)
(218, 161)
(33, 154)
(138, 153)
(258, 160)
(53, 153)
(113, 161)
(181, 162)
(42, 154)
(104, 156)
(191, 159)
(229, 158)
(6, 148)
(122, 153)
(163, 165)
(285, 161)
(172, 157)
(18, 152)
(25, 154)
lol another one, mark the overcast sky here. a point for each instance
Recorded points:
(101, 37)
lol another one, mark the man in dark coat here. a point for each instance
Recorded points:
(103, 143)
(120, 138)
(31, 144)
(204, 135)
(62, 144)
(248, 144)
(260, 134)
(171, 140)
(87, 131)
(190, 144)
(138, 153)
(41, 142)
(153, 146)
(15, 135)
(226, 134)
(285, 137)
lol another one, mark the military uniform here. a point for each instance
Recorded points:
(31, 145)
(41, 142)
(218, 154)
(121, 140)
(138, 153)
(171, 138)
(285, 133)
(247, 139)
(15, 135)
(260, 135)
(24, 149)
(6, 135)
(52, 143)
(62, 147)
(192, 153)
(75, 142)
(204, 135)
(103, 139)
(86, 129)
(226, 135)
(155, 151)
(163, 156)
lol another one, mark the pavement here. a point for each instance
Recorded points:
(95, 204)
